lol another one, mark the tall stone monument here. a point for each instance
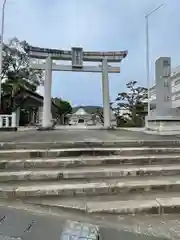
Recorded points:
(164, 118)
(163, 86)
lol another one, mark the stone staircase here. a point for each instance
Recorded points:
(129, 177)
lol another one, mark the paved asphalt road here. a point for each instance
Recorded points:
(21, 224)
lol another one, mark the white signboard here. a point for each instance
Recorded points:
(77, 57)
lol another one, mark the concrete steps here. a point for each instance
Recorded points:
(88, 161)
(92, 170)
(82, 152)
(90, 188)
(88, 173)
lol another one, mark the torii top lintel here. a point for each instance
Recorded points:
(56, 54)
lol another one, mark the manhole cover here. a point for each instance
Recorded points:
(78, 230)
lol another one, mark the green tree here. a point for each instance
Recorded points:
(64, 107)
(133, 101)
(99, 112)
(16, 71)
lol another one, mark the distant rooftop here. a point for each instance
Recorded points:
(81, 111)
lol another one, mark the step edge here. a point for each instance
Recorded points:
(93, 169)
(94, 158)
(106, 183)
(89, 149)
(130, 208)
(98, 184)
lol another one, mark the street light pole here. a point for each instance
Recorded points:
(147, 63)
(147, 54)
(1, 45)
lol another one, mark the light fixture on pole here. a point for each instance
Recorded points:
(1, 45)
(147, 54)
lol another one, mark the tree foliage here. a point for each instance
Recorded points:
(64, 107)
(16, 74)
(132, 101)
(16, 71)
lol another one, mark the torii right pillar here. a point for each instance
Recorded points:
(105, 90)
(46, 121)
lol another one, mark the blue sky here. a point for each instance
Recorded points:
(100, 25)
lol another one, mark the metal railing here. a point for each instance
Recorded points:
(7, 121)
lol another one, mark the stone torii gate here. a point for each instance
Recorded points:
(44, 59)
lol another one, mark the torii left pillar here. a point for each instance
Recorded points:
(105, 90)
(46, 121)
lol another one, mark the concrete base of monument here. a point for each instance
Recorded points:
(109, 128)
(48, 128)
(163, 124)
(8, 129)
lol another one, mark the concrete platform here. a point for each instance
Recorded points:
(91, 145)
(171, 133)
(79, 135)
